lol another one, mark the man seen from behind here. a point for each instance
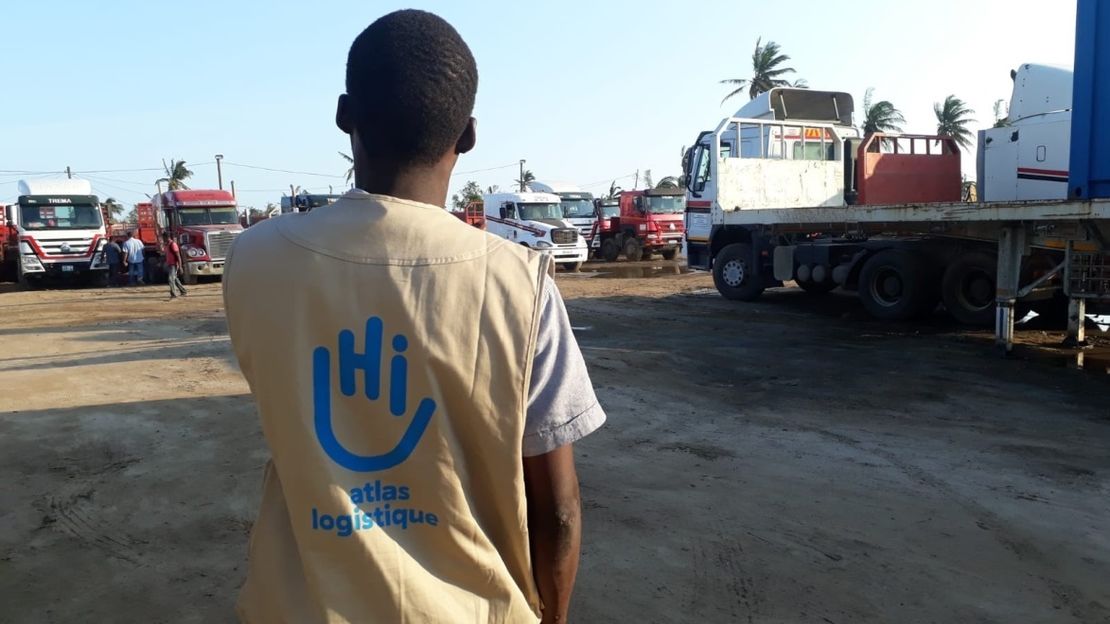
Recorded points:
(133, 252)
(417, 380)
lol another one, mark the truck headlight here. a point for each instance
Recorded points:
(193, 252)
(543, 245)
(31, 262)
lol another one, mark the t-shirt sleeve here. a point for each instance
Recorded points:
(562, 405)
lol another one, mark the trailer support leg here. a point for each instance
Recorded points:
(1011, 248)
(1077, 316)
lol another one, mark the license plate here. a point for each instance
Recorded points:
(67, 268)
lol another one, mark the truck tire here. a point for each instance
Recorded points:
(896, 285)
(572, 267)
(633, 250)
(669, 254)
(968, 288)
(733, 275)
(610, 250)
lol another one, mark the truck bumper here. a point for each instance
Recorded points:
(206, 268)
(62, 269)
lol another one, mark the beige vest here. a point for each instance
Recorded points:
(388, 347)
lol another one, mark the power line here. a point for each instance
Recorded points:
(458, 173)
(309, 173)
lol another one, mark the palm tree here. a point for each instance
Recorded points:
(176, 173)
(614, 190)
(953, 116)
(112, 207)
(525, 179)
(669, 182)
(351, 169)
(766, 73)
(880, 116)
(492, 189)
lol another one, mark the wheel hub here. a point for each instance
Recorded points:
(733, 273)
(887, 287)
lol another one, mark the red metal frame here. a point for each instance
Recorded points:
(900, 177)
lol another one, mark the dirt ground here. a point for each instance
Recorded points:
(783, 461)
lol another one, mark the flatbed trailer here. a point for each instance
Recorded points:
(1078, 229)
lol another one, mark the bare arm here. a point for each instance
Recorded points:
(555, 526)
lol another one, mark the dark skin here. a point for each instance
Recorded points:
(550, 480)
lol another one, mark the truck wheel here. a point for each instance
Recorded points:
(610, 251)
(669, 254)
(633, 250)
(895, 285)
(968, 288)
(572, 267)
(733, 275)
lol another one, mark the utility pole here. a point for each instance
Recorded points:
(233, 188)
(219, 171)
(636, 184)
(330, 192)
(521, 175)
(69, 173)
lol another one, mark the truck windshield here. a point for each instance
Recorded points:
(610, 210)
(217, 215)
(667, 204)
(578, 208)
(539, 212)
(75, 217)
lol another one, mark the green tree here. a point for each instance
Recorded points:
(470, 192)
(880, 116)
(953, 117)
(113, 208)
(351, 168)
(766, 72)
(614, 191)
(132, 216)
(176, 174)
(526, 179)
(669, 182)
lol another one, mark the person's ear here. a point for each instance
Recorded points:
(468, 138)
(343, 114)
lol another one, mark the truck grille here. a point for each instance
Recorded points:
(219, 243)
(65, 246)
(564, 236)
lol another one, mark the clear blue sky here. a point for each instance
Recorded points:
(585, 91)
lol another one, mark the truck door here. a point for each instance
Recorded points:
(1043, 151)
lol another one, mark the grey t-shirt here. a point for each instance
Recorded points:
(562, 406)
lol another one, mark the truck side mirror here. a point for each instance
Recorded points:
(8, 215)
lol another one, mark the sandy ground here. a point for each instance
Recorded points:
(784, 461)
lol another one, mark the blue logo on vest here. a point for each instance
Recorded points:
(370, 363)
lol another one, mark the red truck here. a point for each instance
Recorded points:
(649, 221)
(203, 222)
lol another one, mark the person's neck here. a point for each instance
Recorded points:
(427, 185)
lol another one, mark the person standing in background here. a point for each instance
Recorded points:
(173, 263)
(113, 254)
(133, 251)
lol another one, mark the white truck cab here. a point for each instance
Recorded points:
(1027, 158)
(535, 220)
(578, 205)
(60, 230)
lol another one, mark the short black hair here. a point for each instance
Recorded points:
(411, 82)
(165, 235)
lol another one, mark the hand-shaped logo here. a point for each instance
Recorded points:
(370, 363)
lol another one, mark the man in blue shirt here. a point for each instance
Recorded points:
(133, 250)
